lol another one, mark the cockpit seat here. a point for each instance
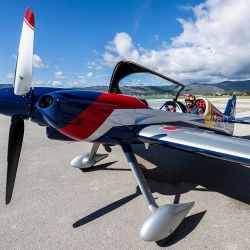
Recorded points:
(201, 105)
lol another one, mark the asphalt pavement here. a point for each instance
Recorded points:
(57, 207)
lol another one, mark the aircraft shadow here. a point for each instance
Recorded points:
(105, 210)
(174, 166)
(178, 172)
(246, 137)
(104, 166)
(185, 228)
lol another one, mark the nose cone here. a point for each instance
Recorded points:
(11, 104)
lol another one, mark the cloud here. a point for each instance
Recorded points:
(38, 63)
(39, 83)
(14, 56)
(213, 46)
(139, 13)
(121, 47)
(155, 38)
(94, 66)
(90, 74)
(59, 75)
(73, 84)
(10, 76)
(56, 84)
(81, 76)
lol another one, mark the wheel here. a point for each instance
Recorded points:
(107, 148)
(163, 242)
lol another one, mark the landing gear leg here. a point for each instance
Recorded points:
(88, 160)
(164, 220)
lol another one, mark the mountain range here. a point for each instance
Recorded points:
(220, 88)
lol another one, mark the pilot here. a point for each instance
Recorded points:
(190, 103)
(194, 106)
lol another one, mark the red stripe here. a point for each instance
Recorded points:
(28, 24)
(171, 128)
(96, 114)
(29, 18)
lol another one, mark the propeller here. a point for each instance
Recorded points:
(14, 149)
(22, 84)
(23, 75)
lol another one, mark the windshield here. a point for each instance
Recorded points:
(149, 87)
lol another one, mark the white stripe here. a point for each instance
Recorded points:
(126, 117)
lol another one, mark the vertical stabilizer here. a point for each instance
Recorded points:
(231, 107)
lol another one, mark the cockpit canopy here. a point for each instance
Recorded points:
(133, 79)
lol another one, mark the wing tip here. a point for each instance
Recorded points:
(29, 17)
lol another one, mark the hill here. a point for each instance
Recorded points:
(221, 88)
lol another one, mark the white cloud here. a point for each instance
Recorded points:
(39, 83)
(155, 37)
(59, 75)
(81, 76)
(91, 65)
(90, 74)
(74, 84)
(94, 66)
(139, 13)
(56, 84)
(38, 63)
(10, 76)
(213, 46)
(14, 56)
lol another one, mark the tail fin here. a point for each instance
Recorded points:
(231, 107)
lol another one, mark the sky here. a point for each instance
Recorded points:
(77, 43)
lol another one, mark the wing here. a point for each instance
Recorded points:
(198, 141)
(242, 120)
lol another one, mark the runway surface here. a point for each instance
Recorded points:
(57, 207)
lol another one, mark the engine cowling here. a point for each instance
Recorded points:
(54, 134)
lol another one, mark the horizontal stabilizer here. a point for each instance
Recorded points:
(242, 120)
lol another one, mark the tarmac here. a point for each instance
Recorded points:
(57, 207)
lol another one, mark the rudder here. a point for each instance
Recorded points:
(231, 107)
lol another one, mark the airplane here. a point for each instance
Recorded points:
(114, 118)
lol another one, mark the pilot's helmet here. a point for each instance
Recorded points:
(190, 98)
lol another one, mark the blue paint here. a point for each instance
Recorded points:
(11, 104)
(231, 107)
(36, 116)
(121, 134)
(54, 134)
(24, 106)
(67, 105)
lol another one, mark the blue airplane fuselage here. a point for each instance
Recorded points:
(23, 106)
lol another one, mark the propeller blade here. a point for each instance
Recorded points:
(14, 149)
(23, 75)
